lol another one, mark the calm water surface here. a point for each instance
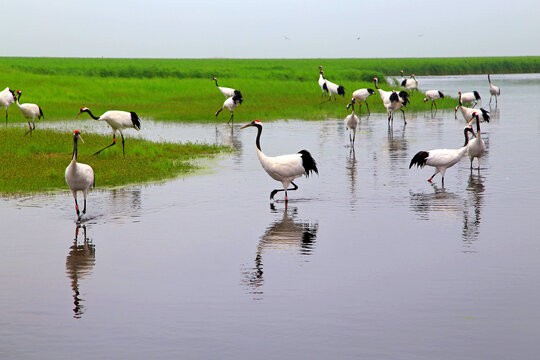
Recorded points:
(367, 261)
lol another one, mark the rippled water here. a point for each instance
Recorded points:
(367, 260)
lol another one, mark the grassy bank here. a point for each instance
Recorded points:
(182, 89)
(38, 162)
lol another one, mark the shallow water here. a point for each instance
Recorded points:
(368, 259)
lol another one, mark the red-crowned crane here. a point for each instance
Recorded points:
(351, 121)
(468, 112)
(231, 103)
(441, 159)
(30, 112)
(117, 120)
(284, 168)
(227, 92)
(362, 95)
(433, 95)
(397, 102)
(409, 84)
(469, 97)
(333, 89)
(477, 147)
(493, 91)
(7, 97)
(322, 81)
(79, 177)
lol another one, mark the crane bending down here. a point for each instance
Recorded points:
(117, 120)
(7, 97)
(441, 159)
(433, 95)
(362, 95)
(30, 112)
(79, 177)
(284, 168)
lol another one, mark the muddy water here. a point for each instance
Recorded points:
(367, 260)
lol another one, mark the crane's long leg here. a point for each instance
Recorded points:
(84, 196)
(367, 106)
(76, 205)
(274, 192)
(30, 127)
(217, 113)
(432, 176)
(123, 151)
(108, 146)
(231, 118)
(404, 121)
(6, 117)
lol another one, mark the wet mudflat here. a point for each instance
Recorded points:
(367, 260)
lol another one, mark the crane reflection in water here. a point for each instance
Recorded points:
(285, 233)
(79, 264)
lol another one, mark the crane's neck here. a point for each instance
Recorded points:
(489, 78)
(460, 102)
(92, 115)
(376, 81)
(477, 126)
(216, 82)
(322, 76)
(258, 139)
(18, 97)
(74, 158)
(352, 112)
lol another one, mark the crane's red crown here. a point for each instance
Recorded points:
(76, 132)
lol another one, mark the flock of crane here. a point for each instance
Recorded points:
(286, 168)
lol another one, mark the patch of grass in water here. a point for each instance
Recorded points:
(37, 163)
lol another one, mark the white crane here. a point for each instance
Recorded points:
(79, 177)
(385, 95)
(227, 92)
(433, 95)
(409, 84)
(493, 91)
(284, 168)
(231, 104)
(468, 112)
(477, 147)
(351, 121)
(333, 89)
(397, 102)
(322, 81)
(469, 97)
(441, 159)
(30, 112)
(117, 120)
(7, 97)
(362, 95)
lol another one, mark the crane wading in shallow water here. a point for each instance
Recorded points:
(441, 159)
(79, 177)
(231, 104)
(284, 168)
(493, 91)
(351, 121)
(117, 120)
(30, 112)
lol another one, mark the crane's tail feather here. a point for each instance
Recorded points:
(136, 121)
(325, 88)
(441, 95)
(40, 113)
(476, 95)
(238, 98)
(419, 159)
(341, 90)
(308, 162)
(485, 114)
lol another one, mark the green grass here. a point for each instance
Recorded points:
(182, 89)
(37, 163)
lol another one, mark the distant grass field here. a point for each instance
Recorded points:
(182, 89)
(38, 162)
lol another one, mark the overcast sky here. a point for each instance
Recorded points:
(270, 29)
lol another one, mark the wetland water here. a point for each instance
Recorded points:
(367, 261)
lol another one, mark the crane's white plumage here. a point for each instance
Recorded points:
(334, 89)
(7, 97)
(397, 102)
(284, 168)
(118, 121)
(79, 177)
(433, 95)
(351, 121)
(322, 81)
(409, 84)
(441, 159)
(477, 147)
(469, 97)
(493, 91)
(468, 113)
(231, 104)
(29, 111)
(362, 95)
(227, 92)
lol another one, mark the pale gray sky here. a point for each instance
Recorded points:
(270, 29)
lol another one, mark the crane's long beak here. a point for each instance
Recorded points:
(245, 126)
(77, 114)
(81, 138)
